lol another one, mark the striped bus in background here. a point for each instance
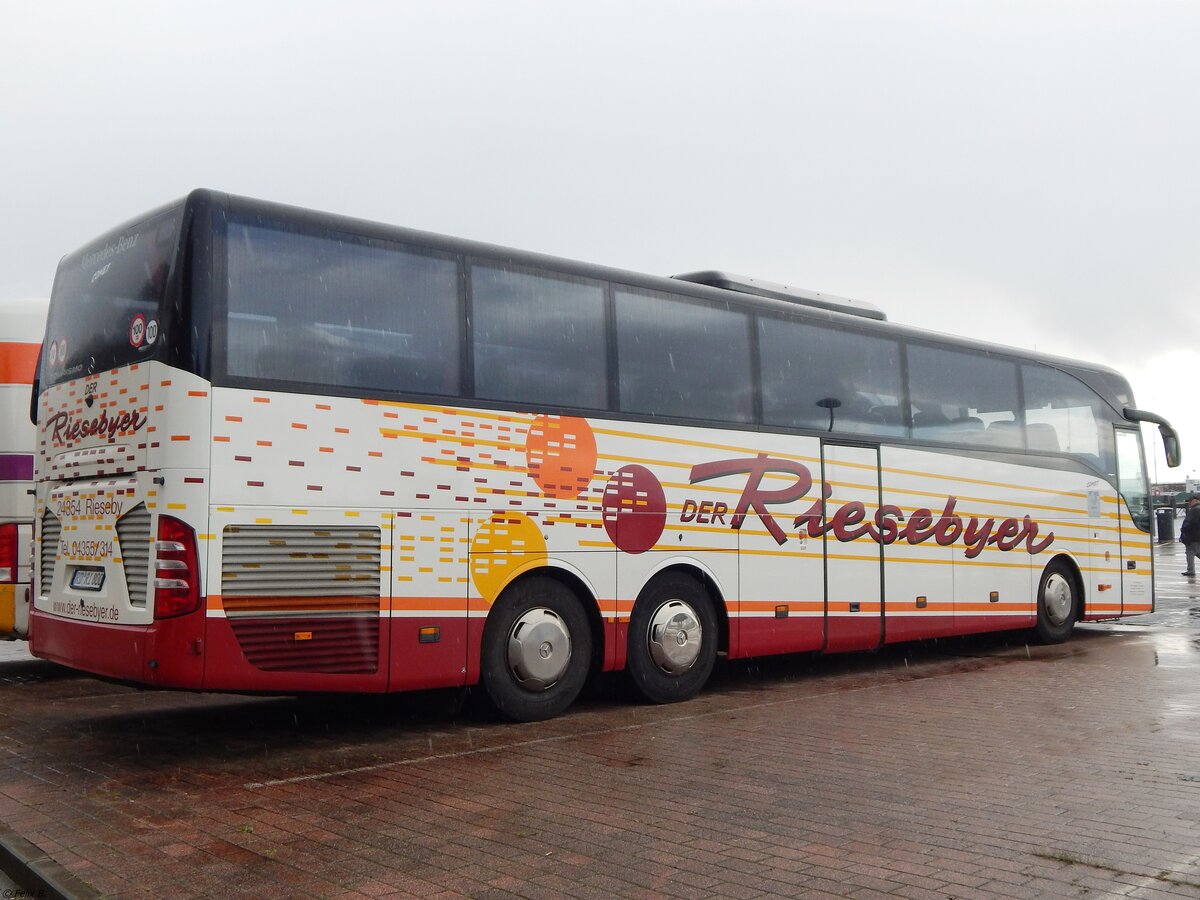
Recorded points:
(22, 323)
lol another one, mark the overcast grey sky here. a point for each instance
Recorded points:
(1027, 173)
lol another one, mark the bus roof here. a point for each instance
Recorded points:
(736, 290)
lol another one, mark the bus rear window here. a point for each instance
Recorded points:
(106, 306)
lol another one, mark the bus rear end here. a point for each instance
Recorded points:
(21, 325)
(117, 562)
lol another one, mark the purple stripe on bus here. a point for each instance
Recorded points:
(16, 467)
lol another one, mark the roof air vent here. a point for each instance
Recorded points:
(745, 285)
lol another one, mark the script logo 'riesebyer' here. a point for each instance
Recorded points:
(63, 429)
(851, 520)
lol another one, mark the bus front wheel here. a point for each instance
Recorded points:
(1057, 603)
(672, 639)
(537, 648)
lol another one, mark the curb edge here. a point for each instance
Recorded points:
(29, 866)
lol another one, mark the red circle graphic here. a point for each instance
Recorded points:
(635, 509)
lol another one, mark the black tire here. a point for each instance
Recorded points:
(527, 683)
(1057, 603)
(677, 605)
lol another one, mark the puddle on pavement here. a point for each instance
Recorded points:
(1176, 651)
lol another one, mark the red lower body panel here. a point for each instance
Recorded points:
(307, 654)
(332, 646)
(417, 665)
(168, 653)
(897, 629)
(980, 624)
(294, 654)
(763, 636)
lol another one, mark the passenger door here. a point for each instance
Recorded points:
(853, 558)
(1137, 572)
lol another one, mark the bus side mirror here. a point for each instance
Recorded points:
(1171, 444)
(1170, 436)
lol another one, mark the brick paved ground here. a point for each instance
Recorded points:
(964, 769)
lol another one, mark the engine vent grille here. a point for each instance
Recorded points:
(133, 534)
(303, 599)
(298, 561)
(51, 532)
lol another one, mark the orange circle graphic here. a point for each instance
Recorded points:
(505, 543)
(560, 455)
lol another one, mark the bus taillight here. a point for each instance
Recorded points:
(177, 572)
(8, 553)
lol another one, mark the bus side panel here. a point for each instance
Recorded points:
(1137, 570)
(995, 589)
(918, 578)
(300, 550)
(428, 602)
(975, 536)
(1099, 550)
(783, 589)
(427, 651)
(294, 599)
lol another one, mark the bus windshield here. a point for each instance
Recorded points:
(105, 309)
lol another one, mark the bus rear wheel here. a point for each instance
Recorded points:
(1057, 603)
(672, 643)
(537, 648)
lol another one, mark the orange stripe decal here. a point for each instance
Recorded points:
(287, 604)
(17, 362)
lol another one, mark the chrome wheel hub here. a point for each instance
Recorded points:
(675, 637)
(1056, 599)
(539, 648)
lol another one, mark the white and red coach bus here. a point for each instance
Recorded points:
(285, 451)
(21, 325)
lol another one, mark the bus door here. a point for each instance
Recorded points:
(1137, 573)
(853, 558)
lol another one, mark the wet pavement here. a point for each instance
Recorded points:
(965, 768)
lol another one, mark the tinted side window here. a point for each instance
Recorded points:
(809, 372)
(1063, 414)
(538, 339)
(1134, 485)
(962, 397)
(683, 359)
(342, 312)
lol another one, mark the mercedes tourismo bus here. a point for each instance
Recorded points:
(22, 323)
(282, 451)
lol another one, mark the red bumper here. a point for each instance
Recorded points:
(167, 653)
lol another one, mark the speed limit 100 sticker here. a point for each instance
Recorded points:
(137, 330)
(151, 332)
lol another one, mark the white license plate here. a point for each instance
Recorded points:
(88, 579)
